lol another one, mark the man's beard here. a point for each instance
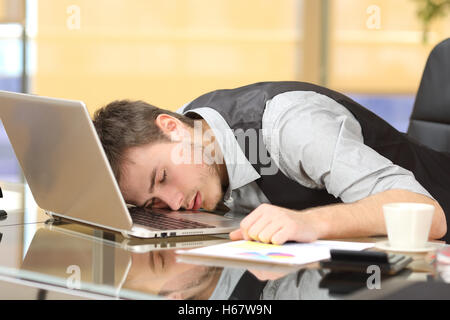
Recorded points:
(211, 172)
(216, 198)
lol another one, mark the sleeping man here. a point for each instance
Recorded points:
(301, 161)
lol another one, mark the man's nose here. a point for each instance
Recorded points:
(172, 197)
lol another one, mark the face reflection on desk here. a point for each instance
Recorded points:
(159, 273)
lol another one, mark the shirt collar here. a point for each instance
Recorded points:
(240, 171)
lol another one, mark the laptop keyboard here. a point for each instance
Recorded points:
(162, 221)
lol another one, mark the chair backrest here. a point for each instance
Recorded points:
(430, 119)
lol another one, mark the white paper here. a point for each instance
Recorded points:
(289, 254)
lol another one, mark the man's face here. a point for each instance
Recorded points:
(152, 175)
(158, 272)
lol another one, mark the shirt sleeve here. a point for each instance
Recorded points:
(318, 143)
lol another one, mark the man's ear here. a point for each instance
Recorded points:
(171, 126)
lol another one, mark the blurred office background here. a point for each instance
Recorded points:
(168, 52)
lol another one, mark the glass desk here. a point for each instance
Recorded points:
(74, 261)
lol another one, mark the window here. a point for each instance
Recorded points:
(10, 80)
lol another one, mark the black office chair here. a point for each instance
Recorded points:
(430, 119)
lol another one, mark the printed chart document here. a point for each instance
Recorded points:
(287, 254)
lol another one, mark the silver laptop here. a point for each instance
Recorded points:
(70, 177)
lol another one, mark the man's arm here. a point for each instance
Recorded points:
(321, 146)
(272, 224)
(365, 217)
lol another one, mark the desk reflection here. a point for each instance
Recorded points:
(87, 257)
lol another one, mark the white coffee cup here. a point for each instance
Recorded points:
(408, 224)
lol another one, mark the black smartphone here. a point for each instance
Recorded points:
(360, 261)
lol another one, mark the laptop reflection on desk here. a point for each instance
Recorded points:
(109, 260)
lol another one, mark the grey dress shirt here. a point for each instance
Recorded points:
(300, 285)
(313, 140)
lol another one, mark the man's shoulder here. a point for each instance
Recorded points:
(304, 105)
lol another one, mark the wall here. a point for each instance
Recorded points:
(165, 52)
(376, 45)
(169, 52)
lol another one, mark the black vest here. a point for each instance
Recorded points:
(243, 108)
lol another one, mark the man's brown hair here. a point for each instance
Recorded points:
(123, 124)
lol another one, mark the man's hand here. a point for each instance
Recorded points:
(272, 224)
(363, 218)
